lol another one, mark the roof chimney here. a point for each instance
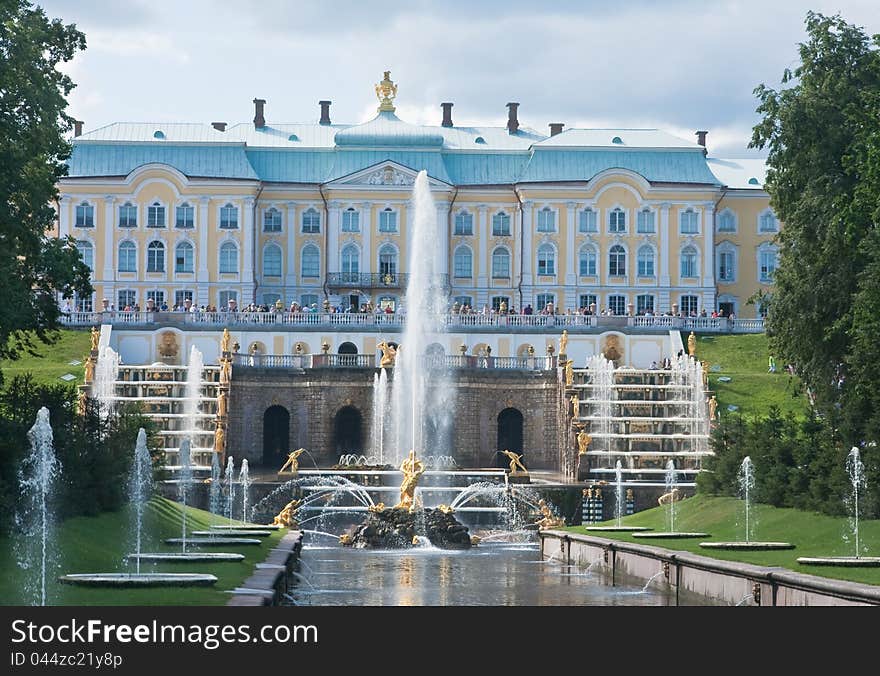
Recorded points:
(556, 128)
(701, 139)
(447, 114)
(512, 122)
(77, 128)
(219, 126)
(259, 120)
(325, 112)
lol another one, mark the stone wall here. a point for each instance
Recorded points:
(314, 397)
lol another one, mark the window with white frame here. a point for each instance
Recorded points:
(158, 298)
(87, 253)
(155, 256)
(501, 225)
(688, 262)
(272, 260)
(387, 260)
(184, 216)
(156, 215)
(126, 298)
(463, 262)
(546, 259)
(184, 257)
(546, 220)
(464, 224)
(388, 220)
(689, 305)
(271, 220)
(585, 300)
(84, 303)
(688, 224)
(228, 258)
(726, 221)
(645, 221)
(85, 215)
(351, 263)
(463, 300)
(587, 262)
(500, 263)
(617, 261)
(767, 262)
(543, 300)
(617, 304)
(127, 257)
(128, 215)
(308, 300)
(229, 217)
(498, 300)
(587, 221)
(181, 296)
(225, 297)
(617, 220)
(767, 222)
(351, 220)
(269, 299)
(644, 303)
(311, 221)
(645, 260)
(311, 261)
(726, 261)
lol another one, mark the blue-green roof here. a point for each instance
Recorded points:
(120, 159)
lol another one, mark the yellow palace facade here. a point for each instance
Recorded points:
(622, 220)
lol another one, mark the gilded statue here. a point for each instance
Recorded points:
(222, 404)
(575, 406)
(219, 439)
(90, 370)
(713, 407)
(548, 519)
(95, 338)
(705, 367)
(287, 516)
(225, 371)
(412, 469)
(386, 92)
(225, 342)
(82, 401)
(516, 466)
(292, 462)
(446, 509)
(569, 373)
(692, 344)
(583, 441)
(378, 507)
(389, 354)
(563, 342)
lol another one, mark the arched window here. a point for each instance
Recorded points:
(689, 222)
(588, 263)
(767, 262)
(645, 221)
(587, 221)
(183, 257)
(184, 216)
(271, 220)
(228, 258)
(726, 221)
(272, 261)
(725, 260)
(87, 253)
(127, 257)
(156, 215)
(617, 220)
(464, 223)
(387, 260)
(311, 261)
(311, 221)
(767, 222)
(351, 262)
(501, 225)
(388, 220)
(351, 220)
(229, 217)
(646, 261)
(500, 263)
(546, 220)
(155, 256)
(617, 261)
(463, 262)
(689, 262)
(128, 215)
(85, 215)
(546, 260)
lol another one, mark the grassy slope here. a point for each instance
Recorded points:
(744, 359)
(51, 362)
(813, 535)
(97, 544)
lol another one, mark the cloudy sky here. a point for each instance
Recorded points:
(679, 65)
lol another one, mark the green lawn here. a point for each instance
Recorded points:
(813, 535)
(97, 544)
(744, 359)
(52, 360)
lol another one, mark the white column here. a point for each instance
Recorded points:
(333, 225)
(109, 249)
(367, 238)
(203, 278)
(664, 246)
(483, 244)
(290, 279)
(571, 258)
(442, 261)
(247, 263)
(526, 234)
(64, 216)
(708, 245)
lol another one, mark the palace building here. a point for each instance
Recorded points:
(632, 220)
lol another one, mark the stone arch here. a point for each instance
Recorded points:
(435, 350)
(510, 435)
(303, 346)
(479, 350)
(523, 350)
(276, 436)
(348, 436)
(261, 347)
(347, 348)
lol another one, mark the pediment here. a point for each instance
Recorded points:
(387, 174)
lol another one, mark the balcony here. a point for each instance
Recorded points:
(375, 280)
(360, 361)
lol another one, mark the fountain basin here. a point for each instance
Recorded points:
(213, 541)
(747, 546)
(139, 579)
(619, 529)
(247, 527)
(185, 557)
(670, 535)
(844, 561)
(232, 533)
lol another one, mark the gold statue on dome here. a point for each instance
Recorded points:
(386, 92)
(95, 338)
(517, 468)
(287, 516)
(412, 469)
(583, 441)
(389, 354)
(563, 342)
(692, 344)
(292, 462)
(225, 342)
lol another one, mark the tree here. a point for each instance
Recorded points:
(821, 131)
(33, 266)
